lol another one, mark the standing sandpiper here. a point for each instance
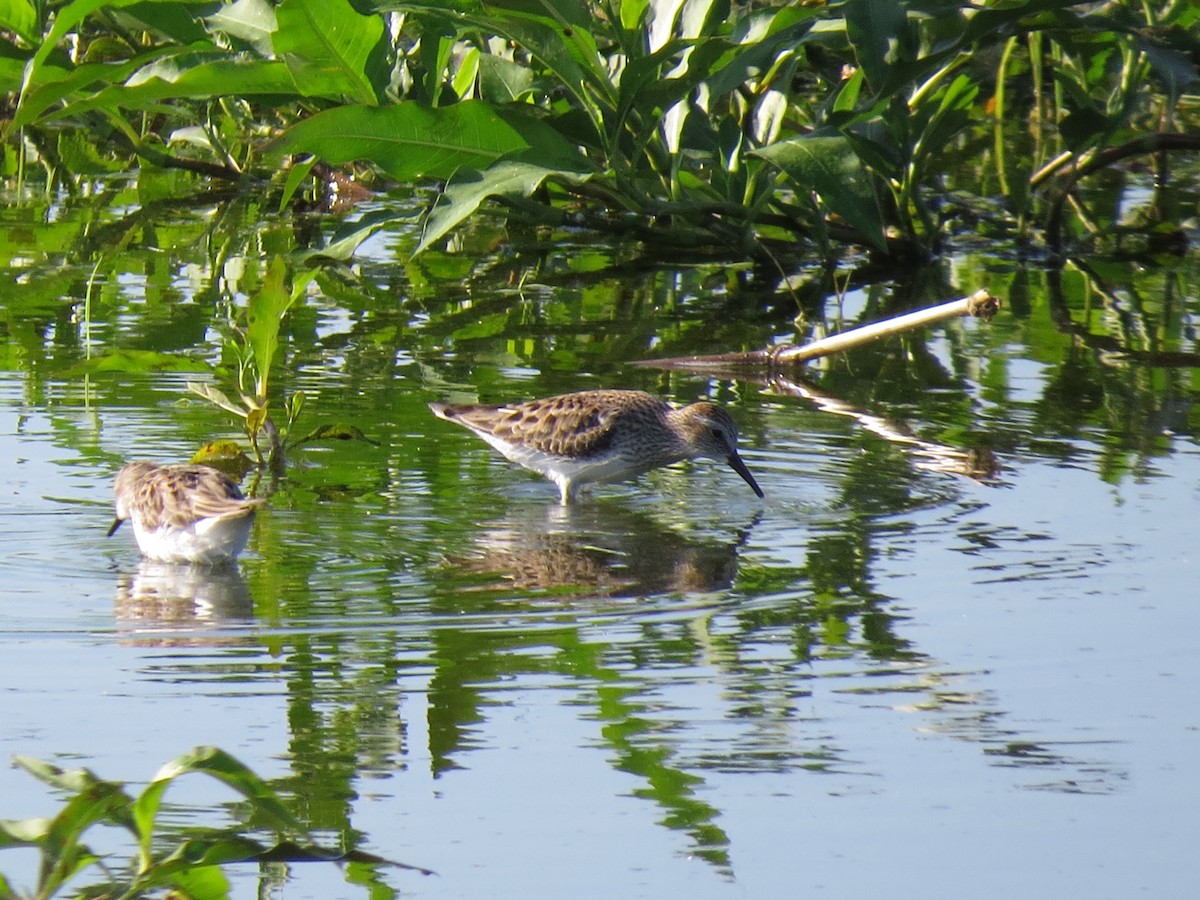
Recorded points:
(593, 437)
(193, 514)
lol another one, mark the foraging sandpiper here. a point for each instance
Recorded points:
(183, 513)
(593, 437)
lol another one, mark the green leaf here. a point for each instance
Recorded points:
(828, 166)
(486, 326)
(466, 191)
(20, 17)
(502, 80)
(216, 397)
(201, 883)
(80, 153)
(73, 780)
(166, 20)
(23, 832)
(191, 75)
(59, 85)
(349, 236)
(296, 176)
(256, 419)
(225, 455)
(65, 21)
(263, 317)
(879, 34)
(331, 49)
(408, 140)
(220, 765)
(144, 812)
(252, 22)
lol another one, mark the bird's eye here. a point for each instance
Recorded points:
(718, 434)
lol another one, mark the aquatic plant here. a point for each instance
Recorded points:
(685, 124)
(190, 862)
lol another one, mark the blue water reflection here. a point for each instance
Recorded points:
(890, 673)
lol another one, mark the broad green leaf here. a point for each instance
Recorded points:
(331, 50)
(12, 68)
(66, 19)
(23, 832)
(294, 404)
(20, 17)
(224, 455)
(569, 53)
(483, 327)
(201, 883)
(68, 860)
(407, 141)
(438, 37)
(144, 811)
(264, 314)
(251, 21)
(256, 418)
(828, 166)
(349, 236)
(879, 34)
(220, 765)
(73, 780)
(502, 80)
(216, 397)
(58, 85)
(632, 14)
(165, 20)
(296, 176)
(190, 75)
(466, 191)
(105, 802)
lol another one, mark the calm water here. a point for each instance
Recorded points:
(883, 679)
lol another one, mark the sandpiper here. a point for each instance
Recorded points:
(183, 513)
(593, 437)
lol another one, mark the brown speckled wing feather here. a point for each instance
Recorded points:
(583, 421)
(180, 495)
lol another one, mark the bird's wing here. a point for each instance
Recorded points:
(572, 425)
(189, 493)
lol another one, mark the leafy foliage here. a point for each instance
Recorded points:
(679, 123)
(191, 866)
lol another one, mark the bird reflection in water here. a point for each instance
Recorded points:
(597, 550)
(176, 604)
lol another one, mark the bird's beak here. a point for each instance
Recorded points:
(735, 463)
(117, 524)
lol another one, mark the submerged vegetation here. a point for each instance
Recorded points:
(757, 130)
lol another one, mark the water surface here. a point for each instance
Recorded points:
(884, 678)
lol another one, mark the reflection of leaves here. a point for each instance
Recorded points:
(486, 326)
(139, 361)
(336, 431)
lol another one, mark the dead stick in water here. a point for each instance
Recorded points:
(981, 304)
